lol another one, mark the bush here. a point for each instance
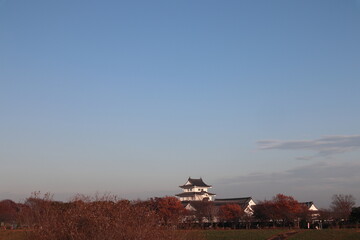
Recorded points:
(99, 218)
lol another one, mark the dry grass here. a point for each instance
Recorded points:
(12, 235)
(327, 234)
(261, 234)
(254, 234)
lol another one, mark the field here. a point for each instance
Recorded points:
(258, 234)
(11, 235)
(343, 234)
(333, 234)
(346, 234)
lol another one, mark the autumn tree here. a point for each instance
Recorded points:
(35, 208)
(96, 218)
(8, 211)
(169, 209)
(231, 213)
(265, 211)
(287, 208)
(281, 208)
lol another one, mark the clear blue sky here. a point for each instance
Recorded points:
(133, 97)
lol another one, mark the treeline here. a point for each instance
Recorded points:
(96, 218)
(108, 217)
(284, 210)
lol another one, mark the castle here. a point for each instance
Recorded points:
(195, 190)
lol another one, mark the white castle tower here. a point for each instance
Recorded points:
(195, 190)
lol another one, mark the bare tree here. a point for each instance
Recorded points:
(341, 206)
(97, 218)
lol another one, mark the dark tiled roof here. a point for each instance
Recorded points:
(243, 202)
(198, 182)
(224, 201)
(199, 204)
(191, 194)
(308, 204)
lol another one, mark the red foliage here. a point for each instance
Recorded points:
(287, 208)
(265, 210)
(8, 211)
(99, 218)
(231, 212)
(169, 209)
(283, 208)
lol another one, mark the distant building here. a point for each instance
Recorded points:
(245, 203)
(313, 210)
(310, 205)
(195, 190)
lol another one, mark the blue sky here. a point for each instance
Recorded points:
(133, 97)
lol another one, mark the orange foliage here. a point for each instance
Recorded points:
(286, 206)
(98, 218)
(231, 212)
(281, 207)
(8, 211)
(169, 209)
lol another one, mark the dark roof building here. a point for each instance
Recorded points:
(310, 205)
(195, 182)
(195, 189)
(245, 203)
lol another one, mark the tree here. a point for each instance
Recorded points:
(204, 211)
(306, 215)
(169, 209)
(341, 206)
(264, 211)
(355, 215)
(231, 213)
(95, 218)
(287, 208)
(281, 208)
(8, 211)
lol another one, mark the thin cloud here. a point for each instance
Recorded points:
(314, 182)
(324, 146)
(314, 173)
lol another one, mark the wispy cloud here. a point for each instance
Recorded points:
(314, 182)
(315, 173)
(324, 146)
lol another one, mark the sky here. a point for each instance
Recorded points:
(133, 97)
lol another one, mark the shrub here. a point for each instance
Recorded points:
(98, 218)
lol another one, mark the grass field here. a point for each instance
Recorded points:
(333, 234)
(260, 234)
(11, 235)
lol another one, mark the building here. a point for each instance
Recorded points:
(246, 203)
(195, 190)
(313, 210)
(310, 205)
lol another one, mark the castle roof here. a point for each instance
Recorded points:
(308, 204)
(192, 182)
(241, 201)
(192, 194)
